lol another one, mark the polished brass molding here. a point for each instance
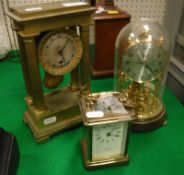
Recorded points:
(41, 134)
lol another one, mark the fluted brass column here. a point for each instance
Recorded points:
(75, 79)
(25, 69)
(85, 62)
(33, 73)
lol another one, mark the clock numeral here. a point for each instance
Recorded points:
(117, 135)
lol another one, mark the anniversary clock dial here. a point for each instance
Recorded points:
(60, 51)
(144, 62)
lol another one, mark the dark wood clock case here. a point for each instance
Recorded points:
(107, 27)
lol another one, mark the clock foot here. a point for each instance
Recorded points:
(43, 133)
(149, 125)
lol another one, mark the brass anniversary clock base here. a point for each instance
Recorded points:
(149, 125)
(61, 114)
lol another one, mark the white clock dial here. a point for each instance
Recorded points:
(108, 140)
(144, 62)
(60, 51)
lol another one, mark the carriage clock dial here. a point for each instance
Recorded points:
(109, 140)
(60, 51)
(144, 62)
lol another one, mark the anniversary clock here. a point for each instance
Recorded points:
(106, 123)
(142, 57)
(55, 37)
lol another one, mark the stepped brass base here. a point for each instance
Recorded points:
(149, 124)
(41, 134)
(62, 113)
(90, 165)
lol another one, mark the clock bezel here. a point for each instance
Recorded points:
(75, 60)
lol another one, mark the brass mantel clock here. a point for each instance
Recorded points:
(55, 36)
(106, 122)
(142, 57)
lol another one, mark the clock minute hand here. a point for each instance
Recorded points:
(61, 50)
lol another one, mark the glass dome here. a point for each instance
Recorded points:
(141, 64)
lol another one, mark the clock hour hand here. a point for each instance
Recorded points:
(149, 69)
(61, 52)
(62, 57)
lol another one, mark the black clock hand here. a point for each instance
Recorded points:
(64, 45)
(61, 51)
(149, 69)
(62, 60)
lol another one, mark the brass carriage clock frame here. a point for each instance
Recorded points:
(49, 113)
(106, 128)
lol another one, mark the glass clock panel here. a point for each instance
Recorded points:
(108, 140)
(58, 50)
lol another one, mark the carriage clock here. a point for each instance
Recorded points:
(106, 124)
(141, 64)
(53, 37)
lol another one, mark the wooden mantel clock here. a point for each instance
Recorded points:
(55, 36)
(107, 26)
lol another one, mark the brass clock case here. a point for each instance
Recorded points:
(65, 47)
(106, 128)
(53, 25)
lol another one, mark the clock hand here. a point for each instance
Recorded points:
(62, 61)
(141, 54)
(65, 45)
(149, 69)
(61, 52)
